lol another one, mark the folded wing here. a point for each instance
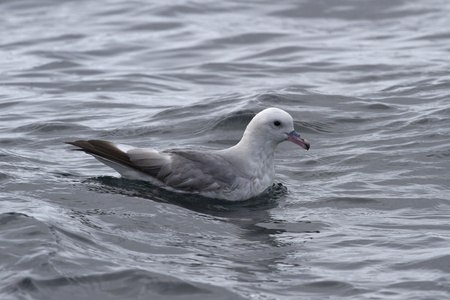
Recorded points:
(188, 170)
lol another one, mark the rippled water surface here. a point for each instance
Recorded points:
(365, 214)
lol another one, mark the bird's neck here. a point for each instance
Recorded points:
(254, 145)
(259, 154)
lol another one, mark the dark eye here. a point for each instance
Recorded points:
(277, 123)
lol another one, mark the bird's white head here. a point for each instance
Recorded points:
(274, 125)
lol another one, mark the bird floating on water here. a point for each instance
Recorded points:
(240, 172)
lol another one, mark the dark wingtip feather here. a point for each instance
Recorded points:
(83, 145)
(104, 149)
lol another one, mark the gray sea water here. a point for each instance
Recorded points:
(365, 214)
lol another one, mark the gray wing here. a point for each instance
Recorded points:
(192, 170)
(188, 170)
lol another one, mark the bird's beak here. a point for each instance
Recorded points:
(294, 137)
